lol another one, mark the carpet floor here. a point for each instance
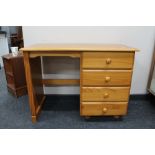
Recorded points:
(63, 113)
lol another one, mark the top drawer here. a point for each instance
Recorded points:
(108, 60)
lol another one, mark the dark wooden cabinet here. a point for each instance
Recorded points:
(15, 74)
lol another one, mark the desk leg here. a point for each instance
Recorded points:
(34, 84)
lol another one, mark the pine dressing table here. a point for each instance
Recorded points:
(105, 76)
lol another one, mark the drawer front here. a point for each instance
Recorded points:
(10, 81)
(106, 78)
(103, 108)
(7, 65)
(105, 94)
(108, 60)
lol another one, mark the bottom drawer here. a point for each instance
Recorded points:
(103, 108)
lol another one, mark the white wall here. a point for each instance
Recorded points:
(140, 37)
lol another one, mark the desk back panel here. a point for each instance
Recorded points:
(60, 68)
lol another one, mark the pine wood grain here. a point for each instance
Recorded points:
(105, 93)
(108, 60)
(106, 77)
(79, 47)
(61, 82)
(103, 108)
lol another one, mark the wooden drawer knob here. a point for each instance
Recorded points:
(104, 110)
(106, 95)
(107, 79)
(108, 61)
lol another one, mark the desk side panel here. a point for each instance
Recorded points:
(36, 73)
(34, 84)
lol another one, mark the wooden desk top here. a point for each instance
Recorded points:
(79, 47)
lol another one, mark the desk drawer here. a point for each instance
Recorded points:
(8, 66)
(103, 108)
(108, 60)
(106, 77)
(105, 93)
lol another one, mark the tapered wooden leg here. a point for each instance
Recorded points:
(34, 119)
